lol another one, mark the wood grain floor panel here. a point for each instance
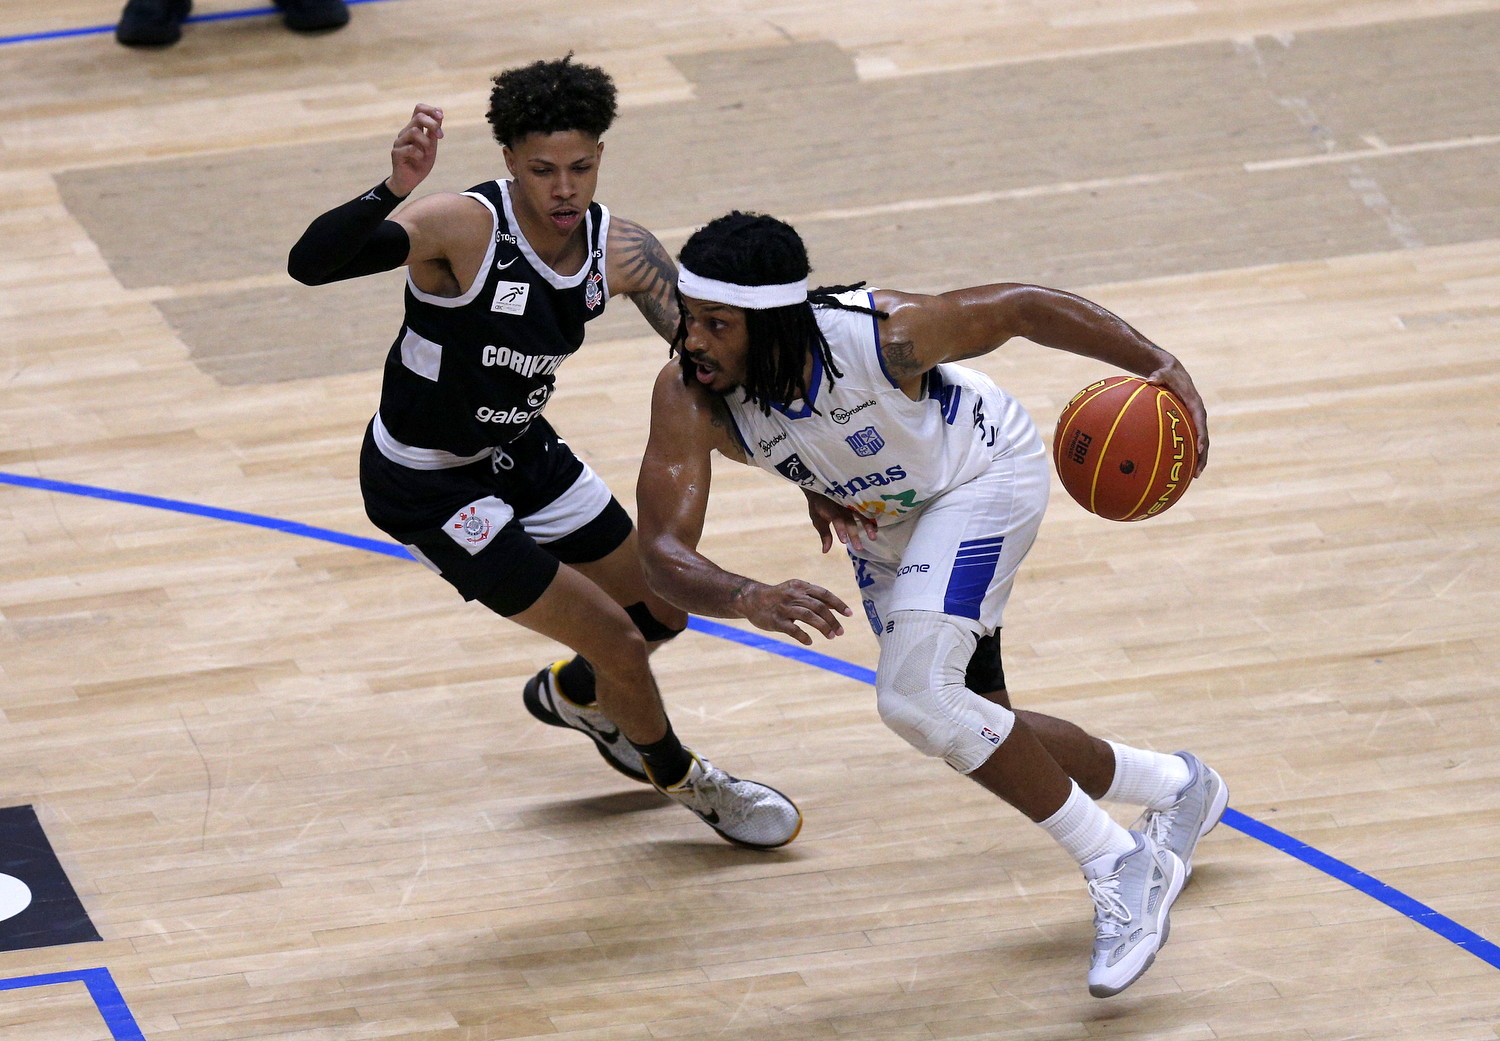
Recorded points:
(292, 781)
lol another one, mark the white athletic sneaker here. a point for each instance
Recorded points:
(746, 813)
(1131, 902)
(1198, 807)
(545, 700)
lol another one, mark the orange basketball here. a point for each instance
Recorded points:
(1125, 449)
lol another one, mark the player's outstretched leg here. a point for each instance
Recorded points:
(546, 699)
(1199, 806)
(746, 813)
(1133, 895)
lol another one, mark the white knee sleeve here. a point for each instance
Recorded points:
(920, 692)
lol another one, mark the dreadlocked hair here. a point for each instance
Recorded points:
(753, 249)
(550, 97)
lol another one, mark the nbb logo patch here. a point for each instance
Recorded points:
(794, 469)
(38, 906)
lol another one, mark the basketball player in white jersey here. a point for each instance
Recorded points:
(936, 480)
(459, 463)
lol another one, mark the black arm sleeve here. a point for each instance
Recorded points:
(351, 240)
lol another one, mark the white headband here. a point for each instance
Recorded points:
(757, 298)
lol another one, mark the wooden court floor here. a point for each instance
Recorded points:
(289, 774)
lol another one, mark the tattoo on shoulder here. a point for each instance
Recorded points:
(901, 358)
(727, 441)
(650, 276)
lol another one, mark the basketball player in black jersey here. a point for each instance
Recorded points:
(459, 463)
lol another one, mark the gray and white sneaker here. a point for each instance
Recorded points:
(1197, 809)
(545, 700)
(1131, 905)
(746, 813)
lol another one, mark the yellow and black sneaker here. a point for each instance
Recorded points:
(545, 700)
(746, 813)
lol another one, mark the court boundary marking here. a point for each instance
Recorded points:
(108, 1000)
(100, 30)
(1407, 906)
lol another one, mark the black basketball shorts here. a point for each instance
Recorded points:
(497, 529)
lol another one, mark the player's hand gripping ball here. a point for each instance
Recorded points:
(1125, 449)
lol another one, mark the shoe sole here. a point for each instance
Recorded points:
(1174, 889)
(531, 697)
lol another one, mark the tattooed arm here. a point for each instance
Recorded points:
(923, 331)
(641, 269)
(687, 425)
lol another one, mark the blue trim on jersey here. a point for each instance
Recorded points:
(953, 394)
(875, 334)
(948, 395)
(973, 570)
(812, 393)
(734, 427)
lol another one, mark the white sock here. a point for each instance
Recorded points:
(1083, 829)
(1148, 779)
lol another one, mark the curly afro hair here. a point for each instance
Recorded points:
(548, 97)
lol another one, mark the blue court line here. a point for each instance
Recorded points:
(256, 520)
(1417, 911)
(100, 30)
(101, 986)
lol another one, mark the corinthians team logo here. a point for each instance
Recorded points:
(473, 526)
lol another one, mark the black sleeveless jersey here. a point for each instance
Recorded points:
(468, 373)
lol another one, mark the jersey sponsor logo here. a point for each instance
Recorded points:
(843, 415)
(521, 362)
(766, 445)
(473, 526)
(919, 569)
(501, 265)
(485, 414)
(865, 442)
(510, 297)
(593, 291)
(537, 398)
(855, 485)
(901, 502)
(794, 469)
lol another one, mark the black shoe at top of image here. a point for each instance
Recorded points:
(308, 16)
(152, 23)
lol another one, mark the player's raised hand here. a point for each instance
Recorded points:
(415, 149)
(784, 608)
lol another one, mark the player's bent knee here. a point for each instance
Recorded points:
(920, 692)
(652, 628)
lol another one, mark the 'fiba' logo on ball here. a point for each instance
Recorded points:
(1078, 448)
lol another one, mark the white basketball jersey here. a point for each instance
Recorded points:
(861, 441)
